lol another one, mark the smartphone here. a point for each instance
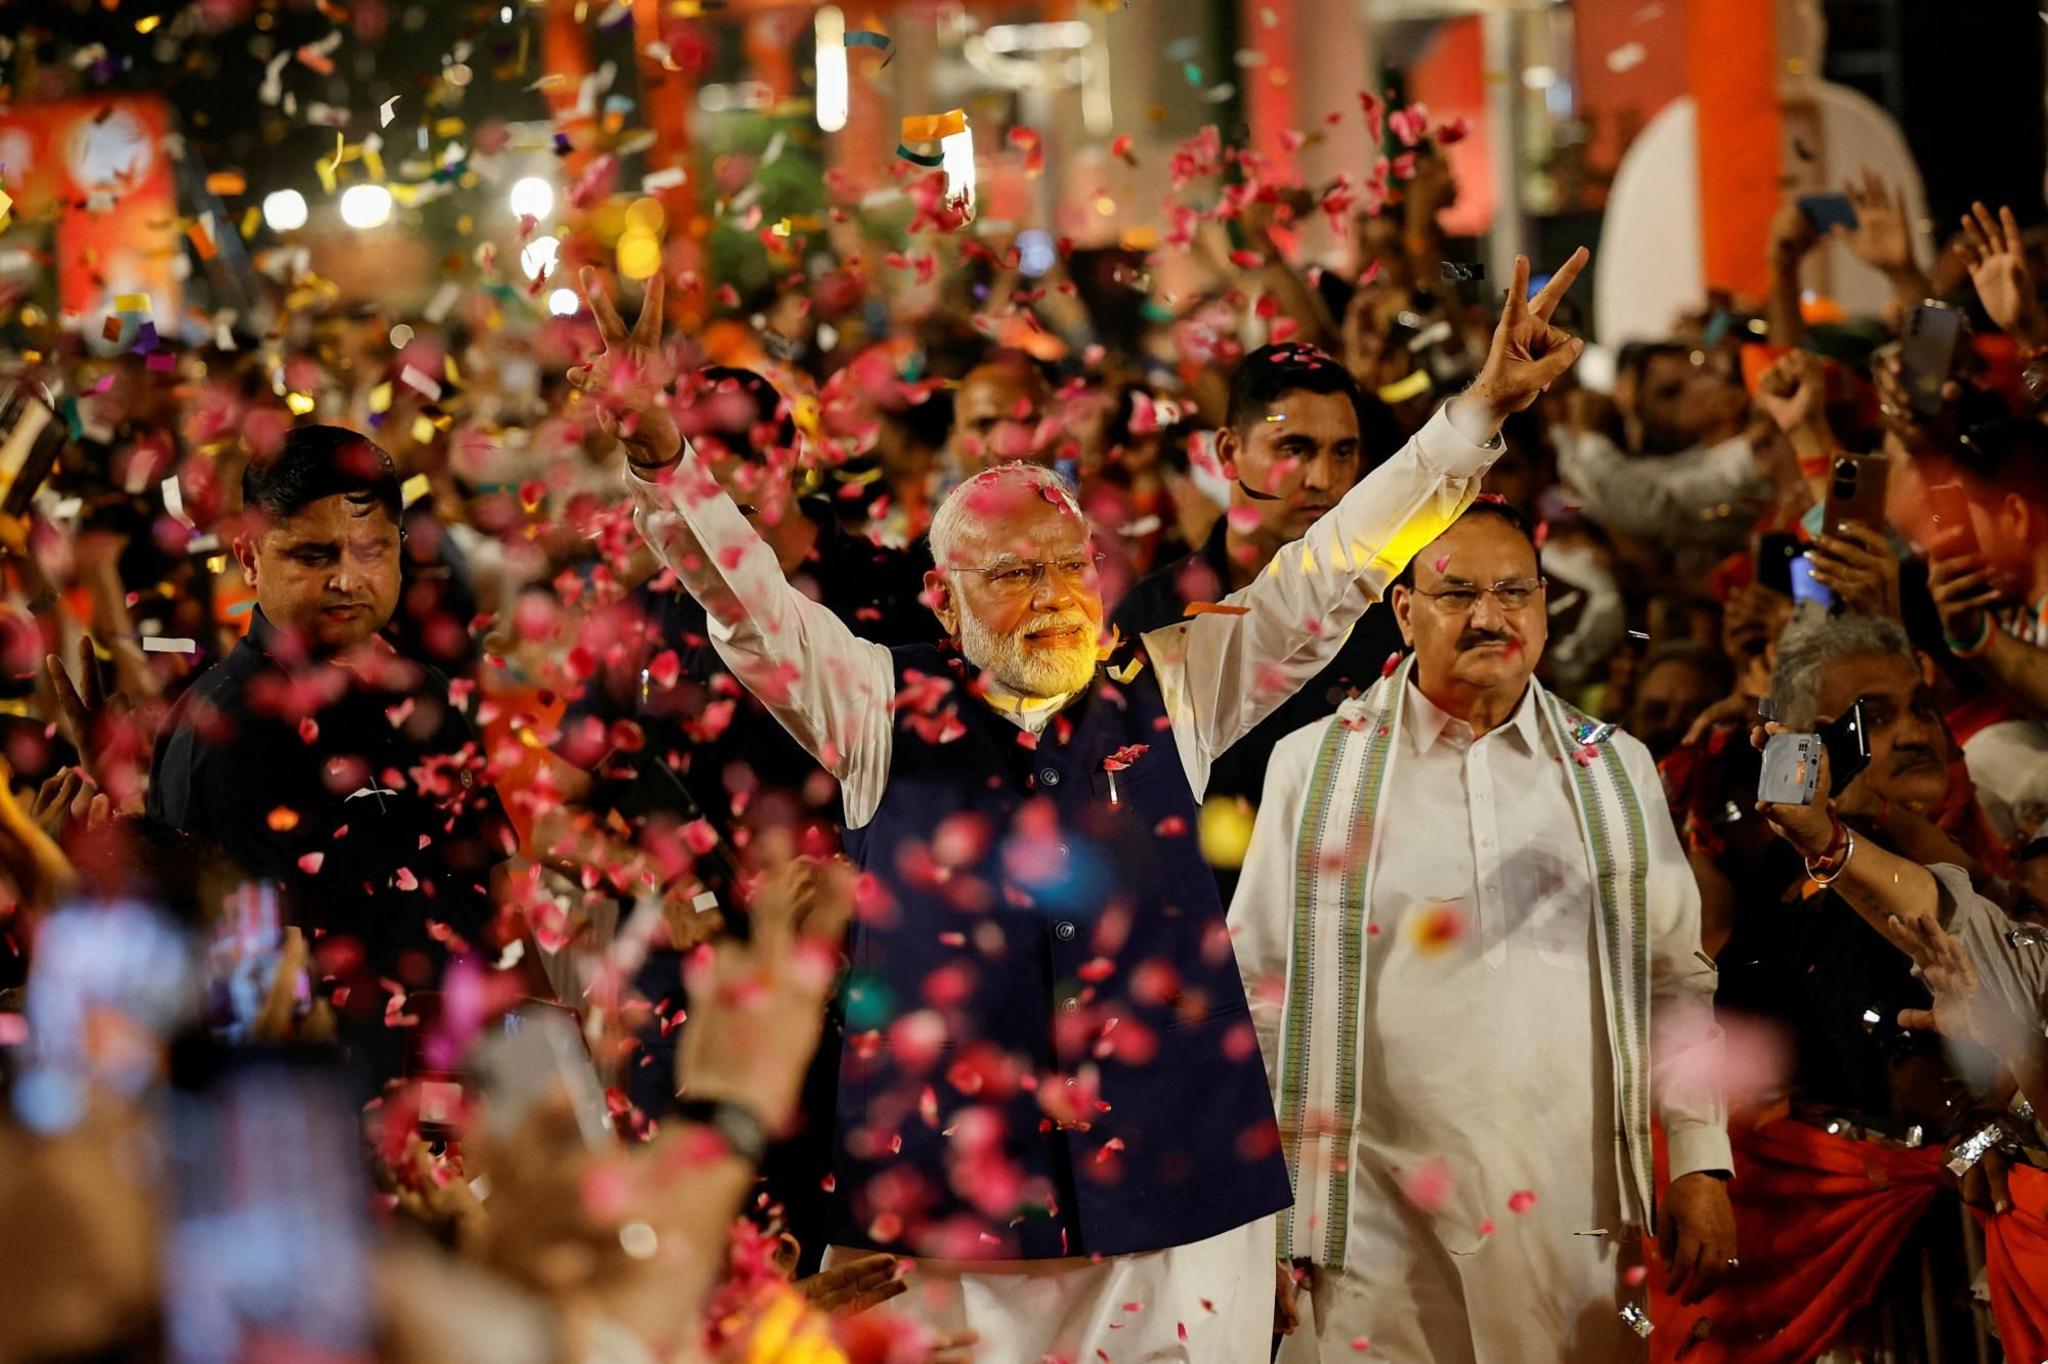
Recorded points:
(1791, 769)
(1928, 353)
(267, 1238)
(108, 985)
(32, 436)
(242, 959)
(1847, 741)
(1776, 552)
(1856, 492)
(537, 1052)
(1807, 588)
(1954, 534)
(1828, 211)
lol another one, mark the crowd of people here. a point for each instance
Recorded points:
(939, 813)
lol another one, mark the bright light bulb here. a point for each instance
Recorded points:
(957, 160)
(831, 69)
(366, 206)
(285, 210)
(639, 255)
(539, 256)
(564, 303)
(533, 195)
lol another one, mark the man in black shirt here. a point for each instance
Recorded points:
(1285, 475)
(317, 757)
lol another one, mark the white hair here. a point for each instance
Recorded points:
(947, 521)
(1812, 645)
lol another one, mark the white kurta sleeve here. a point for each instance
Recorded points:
(1222, 673)
(1261, 912)
(830, 689)
(1686, 1046)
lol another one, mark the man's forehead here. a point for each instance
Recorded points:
(1474, 548)
(1329, 415)
(1873, 675)
(1026, 519)
(340, 514)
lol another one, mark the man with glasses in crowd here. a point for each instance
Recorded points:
(1463, 908)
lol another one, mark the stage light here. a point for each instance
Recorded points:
(957, 160)
(366, 206)
(285, 210)
(564, 303)
(533, 195)
(831, 69)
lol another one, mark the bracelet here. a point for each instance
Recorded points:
(742, 1130)
(1840, 867)
(1977, 648)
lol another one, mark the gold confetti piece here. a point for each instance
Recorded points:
(414, 488)
(148, 23)
(1215, 608)
(6, 206)
(227, 182)
(300, 403)
(252, 220)
(1401, 390)
(340, 151)
(422, 431)
(132, 303)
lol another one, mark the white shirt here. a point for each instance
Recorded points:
(1484, 830)
(1220, 674)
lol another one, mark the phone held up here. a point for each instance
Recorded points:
(1791, 765)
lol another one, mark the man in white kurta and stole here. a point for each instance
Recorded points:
(1471, 943)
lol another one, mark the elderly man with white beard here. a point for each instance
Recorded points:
(1051, 1093)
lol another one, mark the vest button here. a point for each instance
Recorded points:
(1048, 777)
(1063, 930)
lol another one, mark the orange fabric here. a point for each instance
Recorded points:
(2016, 1258)
(1732, 67)
(1818, 1219)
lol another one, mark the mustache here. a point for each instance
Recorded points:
(1472, 639)
(1059, 620)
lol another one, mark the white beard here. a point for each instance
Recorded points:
(1027, 669)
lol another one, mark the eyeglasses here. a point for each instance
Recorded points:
(1020, 577)
(1511, 595)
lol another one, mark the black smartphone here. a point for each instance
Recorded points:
(1928, 353)
(1847, 740)
(1856, 492)
(1775, 553)
(32, 436)
(1828, 211)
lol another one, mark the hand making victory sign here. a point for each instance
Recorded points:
(629, 379)
(1528, 354)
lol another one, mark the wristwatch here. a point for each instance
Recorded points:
(742, 1130)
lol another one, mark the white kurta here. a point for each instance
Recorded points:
(1484, 1073)
(1220, 674)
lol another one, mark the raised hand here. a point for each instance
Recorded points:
(629, 379)
(1882, 237)
(1859, 567)
(1528, 354)
(1997, 257)
(1790, 391)
(1963, 590)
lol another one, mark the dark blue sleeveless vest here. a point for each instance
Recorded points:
(1048, 1051)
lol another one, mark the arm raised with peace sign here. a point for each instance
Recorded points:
(1528, 354)
(629, 379)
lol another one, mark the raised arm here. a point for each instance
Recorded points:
(1223, 672)
(830, 689)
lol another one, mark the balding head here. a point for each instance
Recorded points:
(1000, 413)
